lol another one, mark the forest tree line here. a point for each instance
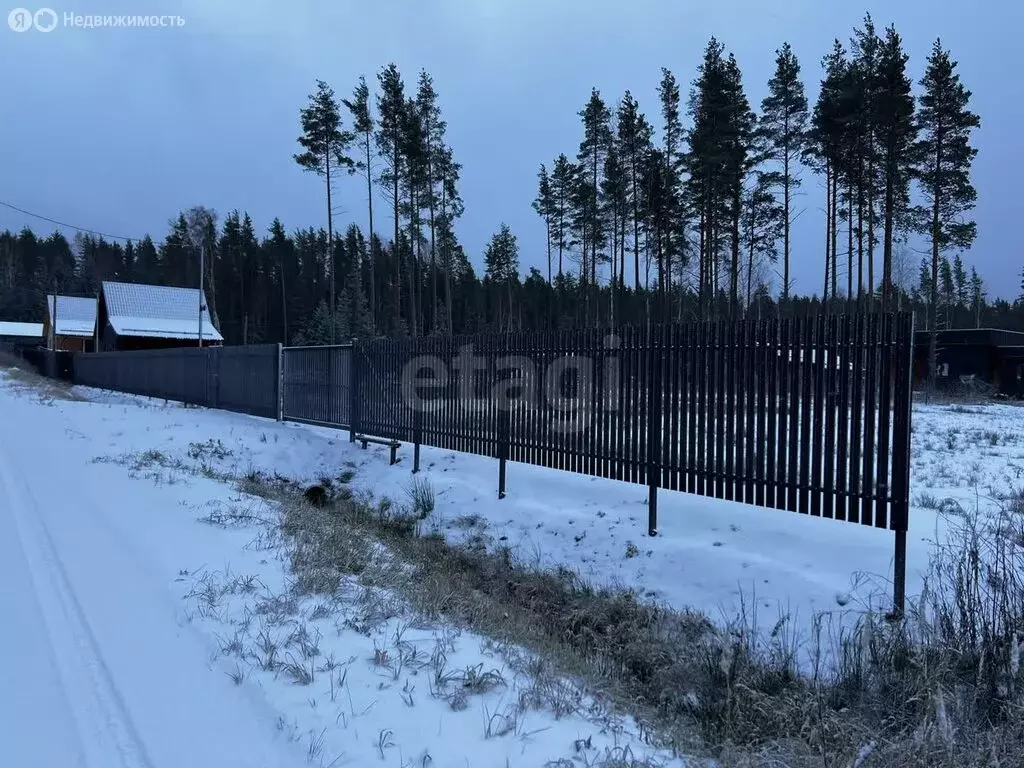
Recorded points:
(690, 215)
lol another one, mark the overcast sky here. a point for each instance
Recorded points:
(118, 129)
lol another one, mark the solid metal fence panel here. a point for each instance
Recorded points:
(241, 379)
(247, 379)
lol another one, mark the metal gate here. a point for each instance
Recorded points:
(317, 385)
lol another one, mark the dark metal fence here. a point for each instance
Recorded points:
(810, 415)
(243, 379)
(317, 383)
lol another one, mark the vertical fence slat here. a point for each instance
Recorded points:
(856, 417)
(885, 401)
(818, 420)
(868, 486)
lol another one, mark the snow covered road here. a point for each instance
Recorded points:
(98, 669)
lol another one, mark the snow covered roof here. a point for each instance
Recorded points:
(157, 311)
(22, 330)
(76, 315)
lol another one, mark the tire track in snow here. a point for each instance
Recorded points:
(106, 733)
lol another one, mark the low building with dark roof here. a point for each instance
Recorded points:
(983, 360)
(17, 336)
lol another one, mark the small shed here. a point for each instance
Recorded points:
(133, 316)
(76, 322)
(15, 337)
(967, 356)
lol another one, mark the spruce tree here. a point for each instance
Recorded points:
(325, 145)
(501, 261)
(944, 155)
(281, 253)
(977, 296)
(948, 289)
(784, 118)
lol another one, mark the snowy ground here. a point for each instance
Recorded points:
(709, 553)
(94, 537)
(140, 637)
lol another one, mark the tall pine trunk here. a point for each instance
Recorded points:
(828, 228)
(373, 277)
(330, 237)
(871, 228)
(849, 232)
(933, 324)
(835, 233)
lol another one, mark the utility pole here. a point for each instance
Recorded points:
(53, 318)
(202, 295)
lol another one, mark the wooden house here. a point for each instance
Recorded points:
(76, 323)
(133, 316)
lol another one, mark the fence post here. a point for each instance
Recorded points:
(353, 383)
(279, 379)
(417, 422)
(654, 428)
(903, 407)
(502, 427)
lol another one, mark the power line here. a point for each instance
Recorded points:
(69, 226)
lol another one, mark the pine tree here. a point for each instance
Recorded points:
(719, 161)
(739, 136)
(614, 199)
(593, 151)
(451, 208)
(544, 205)
(944, 155)
(563, 182)
(673, 231)
(634, 142)
(325, 145)
(415, 159)
(784, 118)
(763, 224)
(362, 125)
(895, 130)
(433, 129)
(826, 151)
(390, 137)
(864, 124)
